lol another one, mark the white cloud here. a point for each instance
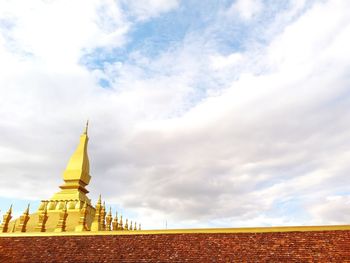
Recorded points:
(220, 62)
(331, 210)
(246, 9)
(57, 32)
(150, 8)
(190, 136)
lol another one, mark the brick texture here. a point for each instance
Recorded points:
(318, 246)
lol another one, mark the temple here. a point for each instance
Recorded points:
(68, 228)
(70, 209)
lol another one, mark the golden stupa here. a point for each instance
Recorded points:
(70, 209)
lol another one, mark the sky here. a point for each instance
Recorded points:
(202, 113)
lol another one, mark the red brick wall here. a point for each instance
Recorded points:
(322, 246)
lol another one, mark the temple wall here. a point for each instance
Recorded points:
(309, 246)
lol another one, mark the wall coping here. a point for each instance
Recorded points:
(186, 231)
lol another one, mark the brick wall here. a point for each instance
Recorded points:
(318, 246)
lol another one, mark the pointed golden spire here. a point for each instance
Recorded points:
(78, 167)
(115, 222)
(126, 226)
(135, 227)
(99, 201)
(61, 225)
(6, 220)
(77, 173)
(23, 220)
(82, 224)
(130, 227)
(109, 220)
(121, 223)
(103, 217)
(42, 219)
(96, 224)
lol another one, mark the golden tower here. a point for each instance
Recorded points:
(76, 176)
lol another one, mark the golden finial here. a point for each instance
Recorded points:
(109, 220)
(130, 228)
(86, 127)
(82, 225)
(126, 227)
(121, 222)
(103, 217)
(6, 220)
(23, 220)
(135, 227)
(103, 208)
(96, 223)
(61, 225)
(115, 222)
(42, 219)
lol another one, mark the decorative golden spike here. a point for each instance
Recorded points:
(96, 224)
(42, 219)
(130, 227)
(103, 217)
(61, 226)
(135, 227)
(126, 227)
(121, 223)
(115, 222)
(109, 220)
(139, 226)
(6, 220)
(23, 220)
(82, 225)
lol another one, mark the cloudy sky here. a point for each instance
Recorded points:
(202, 113)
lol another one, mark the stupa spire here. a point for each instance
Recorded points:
(23, 220)
(77, 173)
(78, 168)
(6, 220)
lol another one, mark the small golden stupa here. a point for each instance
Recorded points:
(70, 209)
